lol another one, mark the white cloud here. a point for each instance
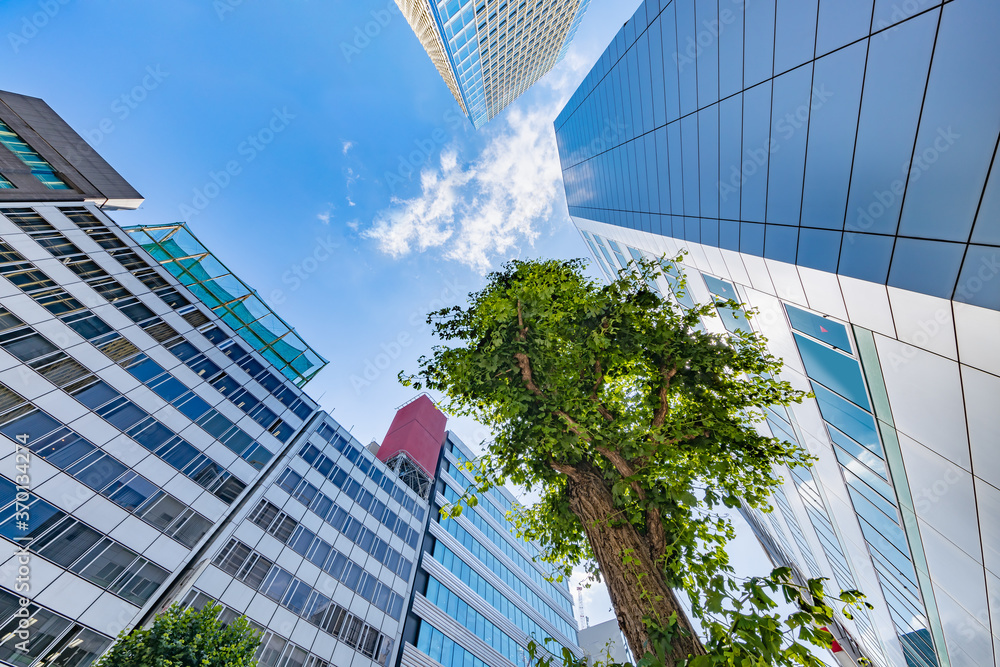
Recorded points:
(486, 208)
(350, 202)
(508, 195)
(348, 145)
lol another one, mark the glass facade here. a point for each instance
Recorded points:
(39, 166)
(497, 49)
(479, 594)
(238, 305)
(831, 165)
(836, 139)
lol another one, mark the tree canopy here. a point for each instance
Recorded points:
(186, 638)
(634, 425)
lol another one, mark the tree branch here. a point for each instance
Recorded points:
(661, 412)
(522, 330)
(525, 365)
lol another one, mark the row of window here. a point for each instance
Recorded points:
(360, 458)
(75, 546)
(496, 565)
(131, 261)
(839, 386)
(39, 166)
(55, 640)
(354, 529)
(445, 650)
(56, 300)
(253, 569)
(276, 651)
(500, 601)
(493, 498)
(452, 604)
(800, 539)
(493, 493)
(526, 566)
(364, 498)
(30, 279)
(25, 344)
(50, 440)
(217, 425)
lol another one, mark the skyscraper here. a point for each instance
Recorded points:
(832, 165)
(478, 596)
(159, 449)
(490, 51)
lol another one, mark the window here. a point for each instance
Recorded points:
(40, 168)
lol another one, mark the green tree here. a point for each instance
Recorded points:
(635, 426)
(186, 638)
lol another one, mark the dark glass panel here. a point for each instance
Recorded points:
(819, 249)
(708, 148)
(865, 256)
(687, 66)
(756, 147)
(730, 156)
(752, 238)
(979, 282)
(841, 22)
(780, 243)
(833, 125)
(789, 128)
(928, 267)
(730, 47)
(758, 36)
(961, 109)
(795, 31)
(894, 86)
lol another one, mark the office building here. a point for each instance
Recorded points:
(478, 595)
(158, 448)
(47, 161)
(603, 643)
(490, 51)
(832, 165)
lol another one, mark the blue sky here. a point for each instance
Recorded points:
(314, 148)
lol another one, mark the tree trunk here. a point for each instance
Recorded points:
(637, 588)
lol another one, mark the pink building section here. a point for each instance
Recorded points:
(418, 429)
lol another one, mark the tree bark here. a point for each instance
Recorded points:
(637, 588)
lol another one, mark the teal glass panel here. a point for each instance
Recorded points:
(39, 166)
(837, 371)
(821, 328)
(847, 417)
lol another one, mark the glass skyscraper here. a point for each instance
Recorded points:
(831, 164)
(490, 51)
(157, 448)
(479, 596)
